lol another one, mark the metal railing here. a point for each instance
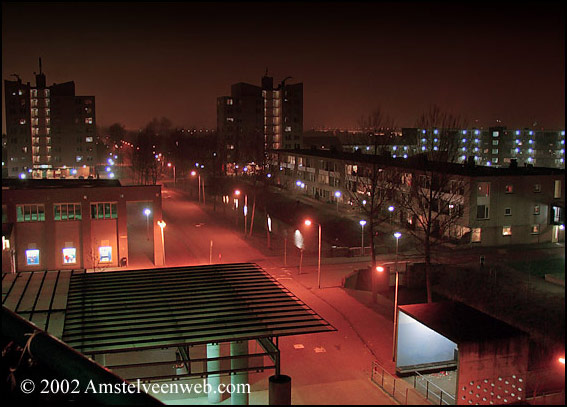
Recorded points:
(432, 392)
(399, 389)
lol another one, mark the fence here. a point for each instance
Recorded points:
(431, 391)
(399, 389)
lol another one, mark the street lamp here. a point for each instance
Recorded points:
(397, 235)
(147, 212)
(172, 165)
(308, 223)
(362, 223)
(337, 195)
(391, 209)
(244, 208)
(194, 173)
(161, 225)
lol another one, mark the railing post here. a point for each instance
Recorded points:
(394, 390)
(407, 391)
(427, 389)
(440, 398)
(382, 377)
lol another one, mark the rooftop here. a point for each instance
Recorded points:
(16, 183)
(460, 323)
(420, 162)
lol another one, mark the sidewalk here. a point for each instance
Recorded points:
(372, 328)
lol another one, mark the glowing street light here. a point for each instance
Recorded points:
(193, 173)
(172, 165)
(362, 223)
(244, 209)
(308, 222)
(391, 209)
(161, 225)
(397, 235)
(337, 196)
(147, 212)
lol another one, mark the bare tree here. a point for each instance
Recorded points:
(369, 185)
(432, 193)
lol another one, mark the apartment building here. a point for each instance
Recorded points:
(496, 206)
(50, 131)
(255, 119)
(496, 146)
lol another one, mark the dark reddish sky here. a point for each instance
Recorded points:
(145, 60)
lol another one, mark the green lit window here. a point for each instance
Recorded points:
(64, 211)
(104, 210)
(30, 213)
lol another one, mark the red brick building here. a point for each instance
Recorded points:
(73, 224)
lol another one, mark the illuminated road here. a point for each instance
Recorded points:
(330, 368)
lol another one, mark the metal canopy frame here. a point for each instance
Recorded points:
(181, 307)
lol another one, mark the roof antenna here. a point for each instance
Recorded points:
(40, 65)
(266, 74)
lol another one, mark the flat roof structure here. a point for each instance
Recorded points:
(459, 323)
(117, 312)
(166, 307)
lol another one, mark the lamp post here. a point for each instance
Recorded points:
(161, 224)
(308, 223)
(147, 212)
(194, 173)
(362, 223)
(244, 208)
(397, 235)
(337, 196)
(269, 228)
(391, 209)
(172, 165)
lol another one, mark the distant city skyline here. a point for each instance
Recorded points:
(485, 62)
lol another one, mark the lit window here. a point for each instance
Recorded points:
(32, 257)
(494, 151)
(79, 158)
(89, 139)
(507, 211)
(22, 121)
(105, 254)
(507, 231)
(483, 189)
(288, 128)
(475, 235)
(535, 229)
(509, 189)
(494, 142)
(495, 134)
(66, 211)
(69, 255)
(229, 102)
(557, 191)
(88, 120)
(30, 213)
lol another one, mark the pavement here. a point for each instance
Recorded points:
(329, 368)
(326, 368)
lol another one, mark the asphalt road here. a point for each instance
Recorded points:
(329, 368)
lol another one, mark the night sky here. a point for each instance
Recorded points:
(145, 60)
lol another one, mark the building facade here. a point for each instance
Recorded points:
(496, 146)
(255, 119)
(74, 224)
(51, 132)
(496, 206)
